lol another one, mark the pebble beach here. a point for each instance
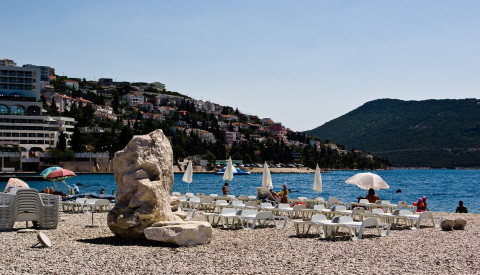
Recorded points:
(77, 249)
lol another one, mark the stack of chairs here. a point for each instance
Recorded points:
(28, 205)
(50, 211)
(6, 211)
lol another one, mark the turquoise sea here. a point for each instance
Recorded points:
(443, 188)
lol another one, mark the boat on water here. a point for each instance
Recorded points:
(237, 171)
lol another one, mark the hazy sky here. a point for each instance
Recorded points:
(301, 63)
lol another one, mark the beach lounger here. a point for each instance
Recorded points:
(416, 220)
(303, 227)
(307, 213)
(251, 218)
(293, 212)
(238, 204)
(334, 201)
(251, 205)
(357, 211)
(357, 229)
(214, 218)
(220, 204)
(207, 205)
(266, 206)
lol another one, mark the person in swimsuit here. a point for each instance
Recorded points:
(461, 208)
(284, 194)
(225, 189)
(371, 197)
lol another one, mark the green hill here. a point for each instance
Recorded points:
(429, 133)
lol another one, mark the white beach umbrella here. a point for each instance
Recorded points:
(317, 180)
(188, 175)
(368, 180)
(266, 177)
(228, 175)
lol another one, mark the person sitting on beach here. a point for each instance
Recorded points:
(371, 197)
(225, 189)
(461, 208)
(424, 200)
(420, 205)
(284, 194)
(274, 194)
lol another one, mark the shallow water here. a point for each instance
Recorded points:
(443, 188)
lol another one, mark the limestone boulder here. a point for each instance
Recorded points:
(174, 203)
(459, 224)
(447, 225)
(144, 175)
(185, 233)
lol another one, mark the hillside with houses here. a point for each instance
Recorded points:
(107, 114)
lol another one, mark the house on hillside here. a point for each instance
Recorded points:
(276, 129)
(267, 121)
(105, 82)
(134, 99)
(230, 138)
(205, 136)
(147, 106)
(65, 103)
(71, 84)
(167, 110)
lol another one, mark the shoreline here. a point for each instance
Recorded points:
(80, 250)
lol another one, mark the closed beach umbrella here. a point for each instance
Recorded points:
(266, 177)
(228, 175)
(15, 182)
(188, 175)
(368, 180)
(317, 181)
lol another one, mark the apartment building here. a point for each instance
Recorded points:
(19, 82)
(22, 120)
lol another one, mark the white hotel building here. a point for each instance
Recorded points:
(22, 120)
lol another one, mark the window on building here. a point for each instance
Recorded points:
(3, 109)
(17, 110)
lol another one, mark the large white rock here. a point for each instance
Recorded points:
(186, 233)
(144, 175)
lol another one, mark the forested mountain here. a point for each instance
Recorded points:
(429, 133)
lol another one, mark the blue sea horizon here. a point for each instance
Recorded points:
(442, 187)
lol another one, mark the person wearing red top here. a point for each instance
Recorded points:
(372, 197)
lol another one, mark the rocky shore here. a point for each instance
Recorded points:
(80, 250)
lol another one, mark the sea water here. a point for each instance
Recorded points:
(443, 188)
